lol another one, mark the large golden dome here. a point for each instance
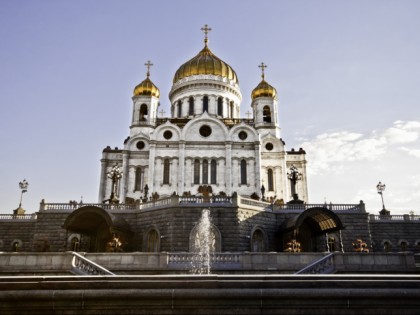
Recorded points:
(147, 88)
(205, 63)
(263, 90)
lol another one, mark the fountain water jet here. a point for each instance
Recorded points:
(204, 244)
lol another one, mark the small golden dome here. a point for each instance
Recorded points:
(205, 63)
(263, 90)
(147, 87)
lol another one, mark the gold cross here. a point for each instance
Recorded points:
(262, 66)
(148, 64)
(206, 29)
(248, 113)
(161, 112)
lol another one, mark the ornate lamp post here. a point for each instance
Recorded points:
(294, 177)
(114, 174)
(23, 185)
(381, 187)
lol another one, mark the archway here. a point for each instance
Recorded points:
(99, 230)
(311, 229)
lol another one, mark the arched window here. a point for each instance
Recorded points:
(257, 241)
(266, 114)
(331, 244)
(213, 172)
(166, 171)
(137, 180)
(191, 106)
(196, 172)
(243, 172)
(270, 180)
(143, 112)
(205, 103)
(179, 109)
(404, 246)
(152, 241)
(220, 106)
(387, 246)
(205, 172)
(232, 110)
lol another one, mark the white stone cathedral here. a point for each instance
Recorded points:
(204, 147)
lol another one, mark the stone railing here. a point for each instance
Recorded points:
(208, 202)
(254, 204)
(18, 217)
(187, 259)
(325, 265)
(333, 207)
(395, 218)
(86, 267)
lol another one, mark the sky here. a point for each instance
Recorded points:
(347, 75)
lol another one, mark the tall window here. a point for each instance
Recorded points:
(179, 108)
(232, 109)
(270, 180)
(213, 171)
(191, 106)
(243, 172)
(205, 172)
(137, 181)
(196, 172)
(266, 114)
(220, 106)
(143, 112)
(205, 104)
(166, 171)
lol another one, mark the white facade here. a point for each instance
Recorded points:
(203, 142)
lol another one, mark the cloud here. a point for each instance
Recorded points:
(328, 150)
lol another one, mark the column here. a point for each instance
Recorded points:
(102, 184)
(181, 167)
(124, 179)
(257, 155)
(228, 168)
(151, 174)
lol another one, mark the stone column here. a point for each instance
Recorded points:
(228, 167)
(125, 176)
(257, 155)
(181, 167)
(102, 184)
(151, 174)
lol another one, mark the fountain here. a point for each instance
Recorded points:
(204, 244)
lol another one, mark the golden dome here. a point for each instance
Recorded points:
(263, 90)
(147, 87)
(205, 63)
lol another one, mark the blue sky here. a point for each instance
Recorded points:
(347, 74)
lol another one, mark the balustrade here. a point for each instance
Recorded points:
(84, 266)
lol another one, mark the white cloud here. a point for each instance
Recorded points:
(328, 149)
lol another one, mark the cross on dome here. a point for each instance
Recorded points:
(206, 29)
(148, 64)
(262, 66)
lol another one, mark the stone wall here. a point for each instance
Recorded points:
(20, 231)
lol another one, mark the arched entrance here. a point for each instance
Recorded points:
(311, 229)
(99, 230)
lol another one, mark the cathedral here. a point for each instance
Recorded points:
(204, 147)
(154, 189)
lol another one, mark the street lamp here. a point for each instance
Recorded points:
(380, 188)
(23, 185)
(114, 174)
(294, 177)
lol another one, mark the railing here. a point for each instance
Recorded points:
(202, 199)
(86, 267)
(325, 265)
(396, 218)
(213, 200)
(18, 217)
(186, 259)
(333, 207)
(254, 203)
